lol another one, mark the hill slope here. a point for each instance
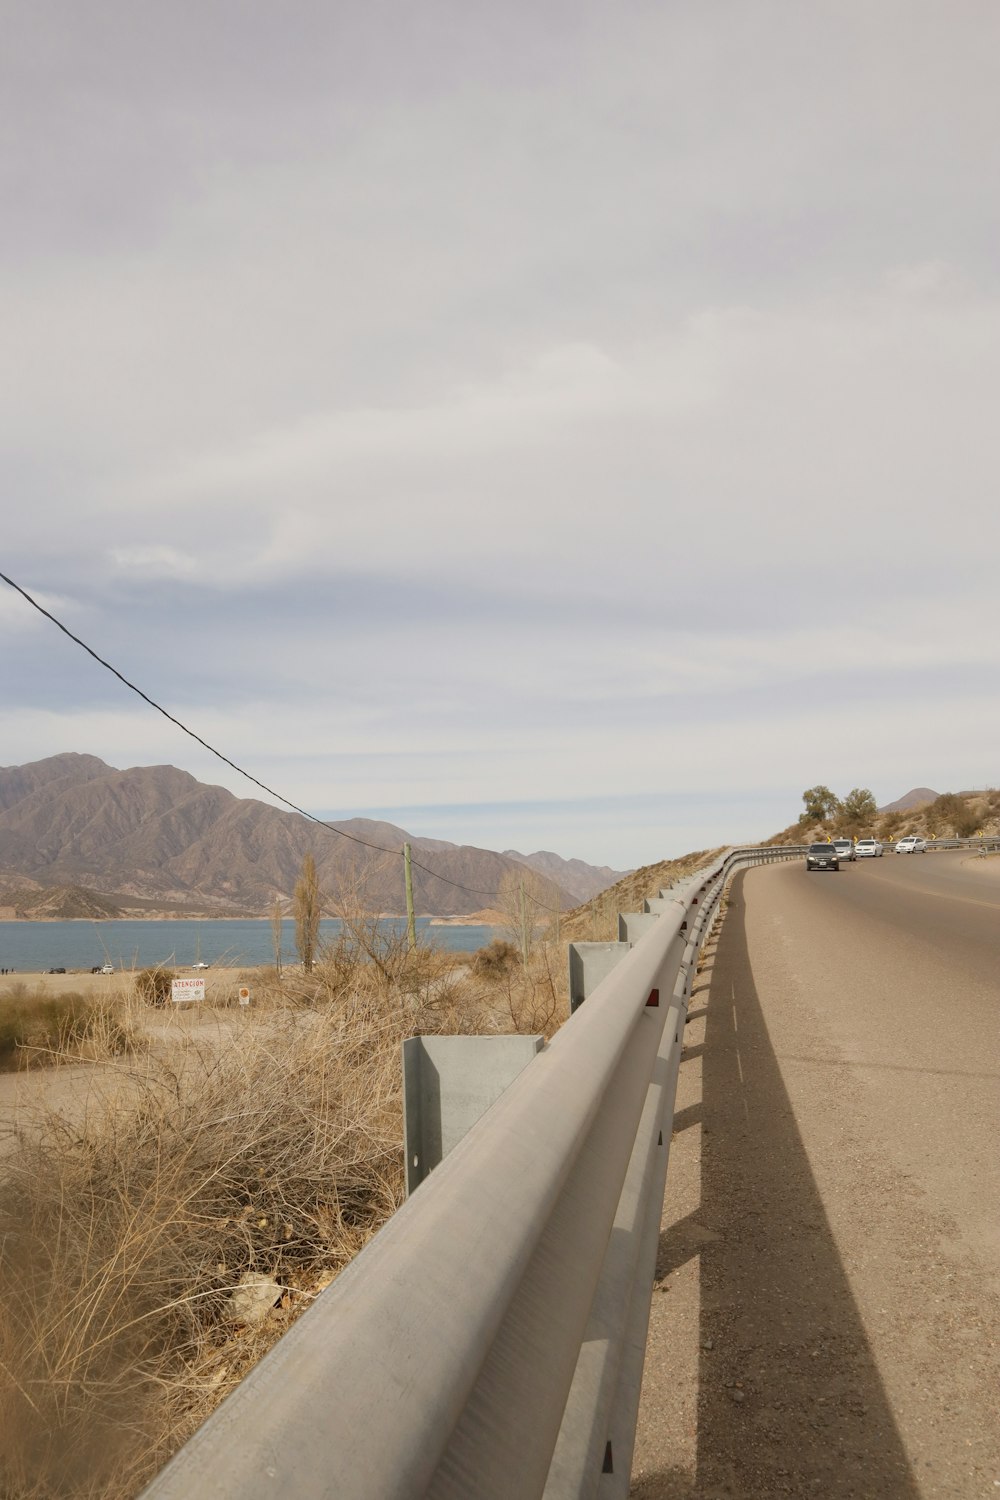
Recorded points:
(155, 835)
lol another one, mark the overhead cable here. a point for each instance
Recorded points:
(354, 838)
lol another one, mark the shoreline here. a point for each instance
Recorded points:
(472, 919)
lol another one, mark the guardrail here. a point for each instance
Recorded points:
(489, 1340)
(983, 844)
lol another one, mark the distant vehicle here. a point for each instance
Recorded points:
(844, 848)
(912, 844)
(107, 968)
(867, 849)
(55, 971)
(199, 965)
(822, 857)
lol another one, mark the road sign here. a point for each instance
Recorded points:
(244, 995)
(187, 989)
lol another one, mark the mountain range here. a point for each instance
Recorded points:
(80, 838)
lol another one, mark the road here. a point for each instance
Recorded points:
(827, 1313)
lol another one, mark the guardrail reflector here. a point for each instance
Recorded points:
(654, 997)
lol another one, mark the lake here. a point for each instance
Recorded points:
(33, 947)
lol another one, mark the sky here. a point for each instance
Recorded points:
(563, 426)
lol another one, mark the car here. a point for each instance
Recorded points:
(844, 848)
(55, 971)
(912, 844)
(199, 965)
(867, 849)
(822, 857)
(107, 968)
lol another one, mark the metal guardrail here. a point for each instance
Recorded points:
(984, 844)
(489, 1341)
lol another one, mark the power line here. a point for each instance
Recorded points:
(354, 838)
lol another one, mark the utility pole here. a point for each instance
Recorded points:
(524, 928)
(411, 921)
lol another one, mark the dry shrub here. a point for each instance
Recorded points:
(269, 1142)
(531, 998)
(277, 1151)
(152, 986)
(37, 1029)
(495, 961)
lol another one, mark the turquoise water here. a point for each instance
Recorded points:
(33, 947)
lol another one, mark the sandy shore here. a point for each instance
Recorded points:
(219, 982)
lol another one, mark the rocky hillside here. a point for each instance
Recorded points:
(940, 815)
(78, 837)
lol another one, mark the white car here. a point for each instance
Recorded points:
(912, 844)
(107, 968)
(844, 848)
(867, 849)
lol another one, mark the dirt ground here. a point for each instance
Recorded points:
(826, 1316)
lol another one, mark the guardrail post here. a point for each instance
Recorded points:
(589, 963)
(449, 1082)
(632, 925)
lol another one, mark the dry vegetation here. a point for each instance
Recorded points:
(597, 920)
(266, 1148)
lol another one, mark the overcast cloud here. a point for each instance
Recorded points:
(563, 426)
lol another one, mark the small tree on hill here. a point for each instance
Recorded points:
(307, 909)
(820, 804)
(859, 807)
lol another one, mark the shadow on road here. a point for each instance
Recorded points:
(790, 1400)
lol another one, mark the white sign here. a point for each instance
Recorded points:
(187, 989)
(244, 996)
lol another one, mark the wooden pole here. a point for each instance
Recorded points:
(524, 929)
(411, 921)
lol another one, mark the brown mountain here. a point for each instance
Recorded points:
(580, 879)
(155, 835)
(918, 797)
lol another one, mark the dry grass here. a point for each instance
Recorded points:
(597, 920)
(37, 1028)
(270, 1144)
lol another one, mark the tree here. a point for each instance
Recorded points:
(859, 806)
(820, 804)
(307, 908)
(522, 900)
(277, 918)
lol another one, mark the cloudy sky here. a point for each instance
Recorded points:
(567, 426)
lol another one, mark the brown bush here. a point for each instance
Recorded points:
(152, 986)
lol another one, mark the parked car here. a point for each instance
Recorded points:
(867, 849)
(55, 971)
(822, 857)
(107, 968)
(844, 848)
(912, 844)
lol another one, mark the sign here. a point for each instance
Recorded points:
(244, 995)
(187, 989)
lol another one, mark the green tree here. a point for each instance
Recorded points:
(859, 806)
(307, 909)
(820, 804)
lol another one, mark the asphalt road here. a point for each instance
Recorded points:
(827, 1319)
